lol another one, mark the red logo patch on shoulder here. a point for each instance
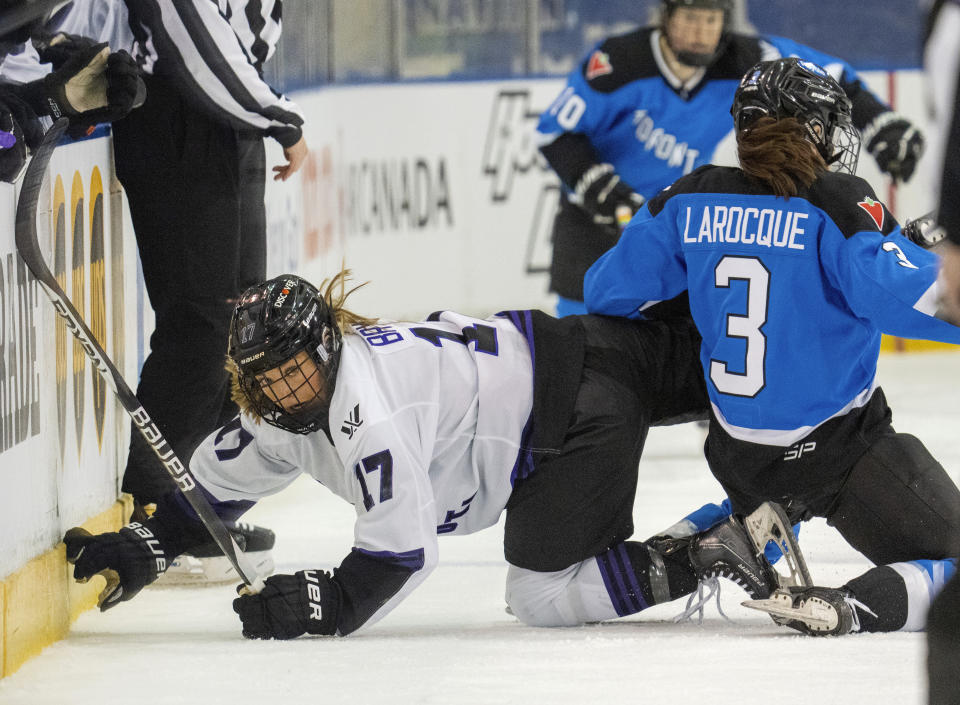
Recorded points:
(599, 65)
(874, 209)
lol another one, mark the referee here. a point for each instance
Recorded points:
(942, 67)
(192, 163)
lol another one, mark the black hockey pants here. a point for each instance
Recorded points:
(195, 189)
(882, 490)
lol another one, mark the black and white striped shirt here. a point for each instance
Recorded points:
(215, 50)
(942, 67)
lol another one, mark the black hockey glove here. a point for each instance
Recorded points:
(608, 199)
(89, 84)
(125, 91)
(56, 49)
(129, 559)
(290, 605)
(924, 230)
(80, 84)
(895, 144)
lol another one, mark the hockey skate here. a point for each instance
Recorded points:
(815, 611)
(206, 564)
(769, 523)
(726, 551)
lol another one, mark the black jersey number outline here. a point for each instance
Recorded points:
(483, 337)
(747, 326)
(382, 461)
(243, 440)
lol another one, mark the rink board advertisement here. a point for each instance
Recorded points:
(61, 436)
(427, 191)
(437, 194)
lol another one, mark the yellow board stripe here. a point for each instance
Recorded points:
(39, 602)
(900, 345)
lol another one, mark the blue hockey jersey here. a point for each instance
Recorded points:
(790, 295)
(653, 129)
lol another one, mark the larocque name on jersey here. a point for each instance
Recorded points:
(764, 227)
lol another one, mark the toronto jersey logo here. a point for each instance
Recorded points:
(352, 423)
(874, 209)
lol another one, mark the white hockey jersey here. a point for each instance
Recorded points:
(427, 421)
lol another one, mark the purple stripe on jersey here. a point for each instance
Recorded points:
(523, 467)
(412, 560)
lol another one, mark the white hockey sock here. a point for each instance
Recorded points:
(924, 580)
(564, 598)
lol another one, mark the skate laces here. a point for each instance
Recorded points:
(698, 600)
(855, 604)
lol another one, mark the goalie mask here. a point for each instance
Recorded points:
(799, 89)
(285, 345)
(697, 58)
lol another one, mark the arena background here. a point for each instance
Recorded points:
(423, 177)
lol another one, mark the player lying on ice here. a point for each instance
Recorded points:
(793, 269)
(437, 428)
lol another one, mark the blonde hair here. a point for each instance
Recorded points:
(344, 318)
(334, 292)
(778, 154)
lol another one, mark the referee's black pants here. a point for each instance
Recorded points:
(943, 646)
(195, 189)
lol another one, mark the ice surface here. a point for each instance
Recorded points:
(451, 642)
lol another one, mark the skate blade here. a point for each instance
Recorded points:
(770, 523)
(217, 570)
(813, 613)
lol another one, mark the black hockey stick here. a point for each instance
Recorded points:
(29, 249)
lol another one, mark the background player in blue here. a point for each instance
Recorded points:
(437, 428)
(792, 273)
(647, 107)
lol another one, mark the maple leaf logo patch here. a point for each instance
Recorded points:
(874, 209)
(599, 65)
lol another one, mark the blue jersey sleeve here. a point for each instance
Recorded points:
(579, 109)
(888, 281)
(644, 267)
(838, 68)
(866, 104)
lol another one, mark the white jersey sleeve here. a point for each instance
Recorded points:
(247, 461)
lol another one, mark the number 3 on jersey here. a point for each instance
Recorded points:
(745, 326)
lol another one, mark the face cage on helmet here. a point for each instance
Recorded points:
(309, 419)
(844, 143)
(838, 141)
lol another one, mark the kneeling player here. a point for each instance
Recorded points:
(437, 428)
